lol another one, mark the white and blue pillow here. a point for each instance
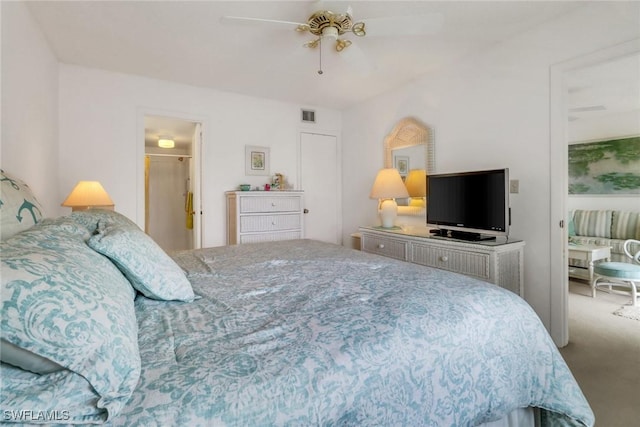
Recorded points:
(149, 269)
(19, 208)
(68, 330)
(63, 302)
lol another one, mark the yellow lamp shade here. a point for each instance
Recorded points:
(416, 183)
(388, 185)
(87, 195)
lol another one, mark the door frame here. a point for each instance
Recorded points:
(196, 157)
(559, 171)
(338, 190)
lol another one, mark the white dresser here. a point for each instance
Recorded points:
(499, 262)
(261, 216)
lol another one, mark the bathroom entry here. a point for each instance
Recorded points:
(170, 187)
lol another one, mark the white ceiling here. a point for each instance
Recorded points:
(608, 88)
(185, 41)
(188, 42)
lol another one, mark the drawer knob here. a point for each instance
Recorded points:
(273, 223)
(444, 258)
(381, 246)
(273, 204)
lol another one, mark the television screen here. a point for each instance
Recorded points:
(471, 204)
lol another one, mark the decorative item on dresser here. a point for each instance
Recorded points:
(257, 216)
(500, 262)
(387, 186)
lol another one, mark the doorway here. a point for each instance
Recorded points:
(171, 182)
(320, 181)
(559, 135)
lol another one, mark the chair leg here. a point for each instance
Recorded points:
(594, 285)
(630, 283)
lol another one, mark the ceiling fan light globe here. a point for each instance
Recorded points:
(330, 32)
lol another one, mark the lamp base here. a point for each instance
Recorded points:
(388, 213)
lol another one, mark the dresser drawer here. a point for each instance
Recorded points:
(254, 223)
(465, 262)
(270, 237)
(251, 204)
(387, 247)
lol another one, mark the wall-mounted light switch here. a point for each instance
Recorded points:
(514, 186)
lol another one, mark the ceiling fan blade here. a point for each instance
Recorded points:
(357, 60)
(260, 21)
(349, 11)
(403, 25)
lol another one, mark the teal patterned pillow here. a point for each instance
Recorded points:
(91, 217)
(64, 302)
(19, 208)
(149, 269)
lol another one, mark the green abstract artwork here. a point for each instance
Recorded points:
(605, 167)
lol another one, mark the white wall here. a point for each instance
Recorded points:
(101, 136)
(490, 110)
(29, 105)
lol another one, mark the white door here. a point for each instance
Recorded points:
(320, 181)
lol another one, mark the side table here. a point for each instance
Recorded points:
(589, 254)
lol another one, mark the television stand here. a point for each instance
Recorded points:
(497, 261)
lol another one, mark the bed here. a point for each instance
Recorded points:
(106, 328)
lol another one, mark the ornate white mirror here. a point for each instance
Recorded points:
(409, 148)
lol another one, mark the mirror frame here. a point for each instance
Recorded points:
(410, 132)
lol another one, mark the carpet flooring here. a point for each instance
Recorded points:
(604, 355)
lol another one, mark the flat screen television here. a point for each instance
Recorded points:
(469, 205)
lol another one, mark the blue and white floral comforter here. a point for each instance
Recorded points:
(306, 333)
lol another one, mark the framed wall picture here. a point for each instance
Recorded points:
(402, 164)
(256, 160)
(607, 167)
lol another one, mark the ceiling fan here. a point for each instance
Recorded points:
(325, 24)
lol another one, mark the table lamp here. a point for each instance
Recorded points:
(387, 186)
(87, 195)
(416, 184)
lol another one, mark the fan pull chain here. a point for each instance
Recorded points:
(320, 48)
